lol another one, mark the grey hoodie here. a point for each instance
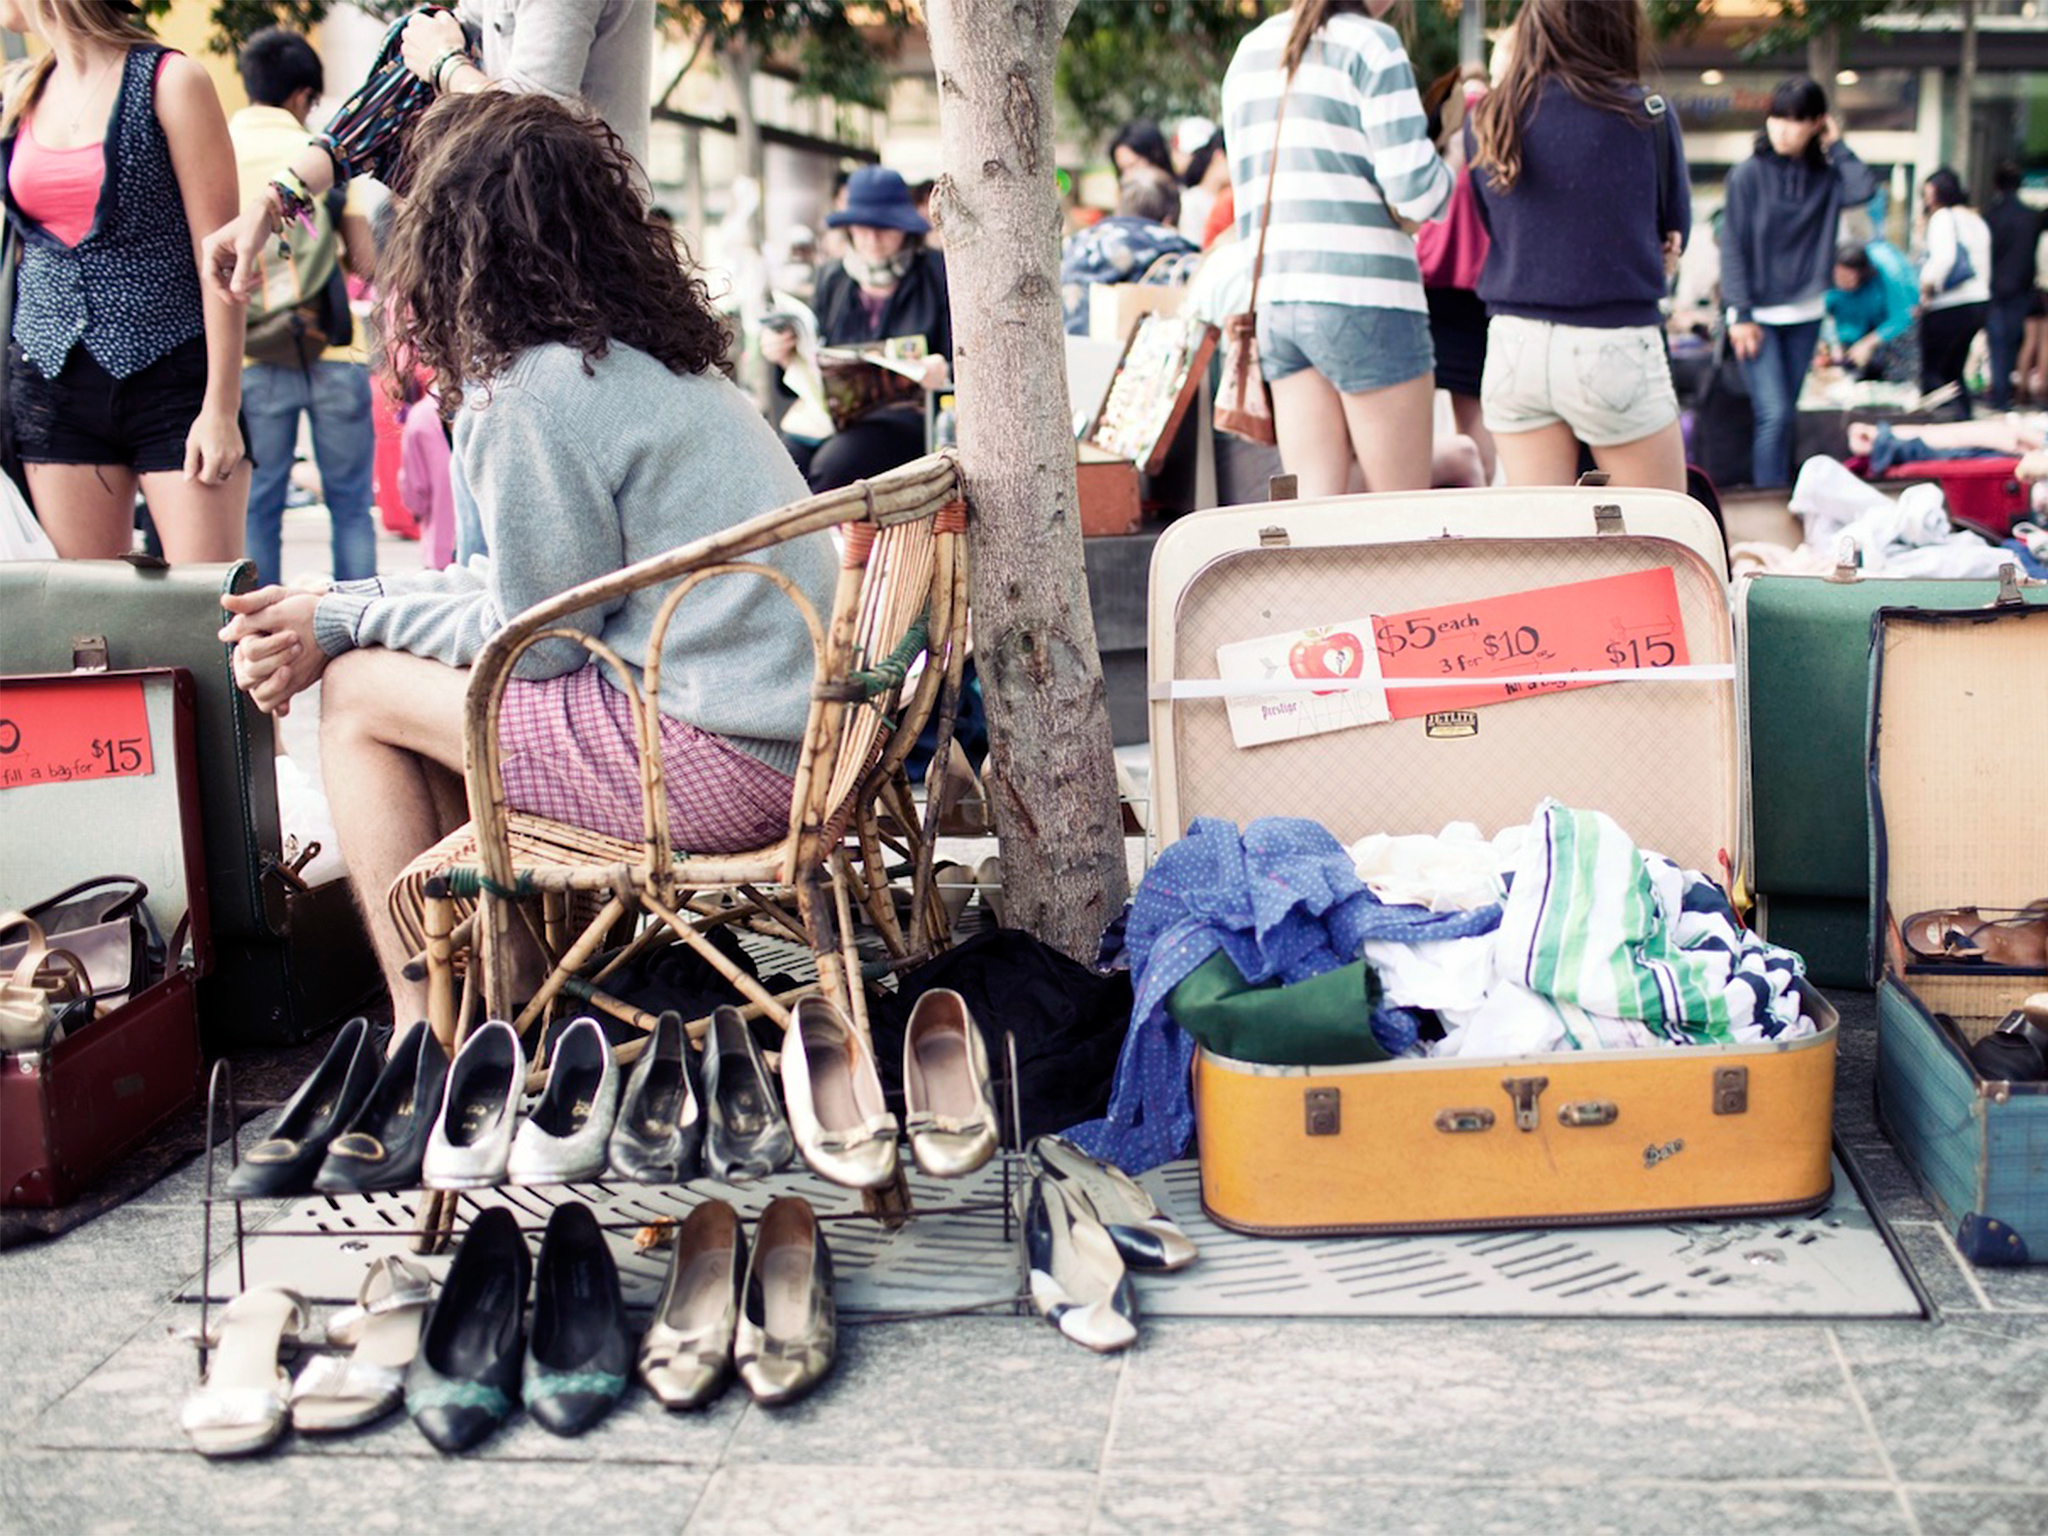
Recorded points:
(1778, 235)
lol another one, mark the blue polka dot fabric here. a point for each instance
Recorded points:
(1284, 902)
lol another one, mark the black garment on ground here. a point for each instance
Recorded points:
(1069, 1023)
(675, 977)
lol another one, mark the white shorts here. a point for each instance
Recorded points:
(1609, 386)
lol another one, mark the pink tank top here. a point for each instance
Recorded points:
(58, 188)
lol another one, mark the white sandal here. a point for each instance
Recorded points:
(241, 1407)
(340, 1392)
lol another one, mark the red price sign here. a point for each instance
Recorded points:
(73, 728)
(1615, 623)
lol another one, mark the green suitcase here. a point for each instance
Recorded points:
(1957, 735)
(287, 960)
(1805, 670)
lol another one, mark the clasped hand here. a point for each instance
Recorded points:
(276, 655)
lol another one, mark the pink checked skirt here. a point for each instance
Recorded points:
(569, 755)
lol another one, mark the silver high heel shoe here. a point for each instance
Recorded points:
(472, 1136)
(746, 1134)
(948, 1107)
(565, 1137)
(836, 1110)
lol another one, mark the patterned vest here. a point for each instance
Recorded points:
(130, 289)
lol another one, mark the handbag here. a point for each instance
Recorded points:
(1960, 271)
(44, 996)
(1244, 404)
(105, 926)
(1451, 251)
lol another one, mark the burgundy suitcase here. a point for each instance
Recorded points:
(100, 778)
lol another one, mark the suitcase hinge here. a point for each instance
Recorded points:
(1274, 537)
(1319, 1110)
(89, 653)
(1525, 1091)
(1456, 1122)
(1607, 519)
(1589, 1112)
(2008, 588)
(1731, 1090)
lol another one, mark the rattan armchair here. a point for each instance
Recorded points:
(888, 658)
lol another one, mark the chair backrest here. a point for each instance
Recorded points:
(900, 598)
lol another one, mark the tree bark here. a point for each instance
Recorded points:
(739, 61)
(1966, 89)
(1053, 785)
(1824, 58)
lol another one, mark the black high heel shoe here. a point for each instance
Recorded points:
(464, 1382)
(580, 1352)
(386, 1142)
(286, 1162)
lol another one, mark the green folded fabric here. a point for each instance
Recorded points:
(1325, 1021)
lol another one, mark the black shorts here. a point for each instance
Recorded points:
(87, 416)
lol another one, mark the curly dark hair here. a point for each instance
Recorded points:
(523, 221)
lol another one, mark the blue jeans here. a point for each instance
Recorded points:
(2003, 326)
(336, 395)
(1774, 376)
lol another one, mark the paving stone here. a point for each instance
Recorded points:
(1167, 1506)
(1891, 1182)
(1963, 1403)
(2023, 1289)
(854, 1500)
(2001, 1512)
(1000, 1393)
(1940, 1268)
(1707, 1401)
(89, 1494)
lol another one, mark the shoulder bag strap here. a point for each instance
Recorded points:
(1272, 175)
(1660, 119)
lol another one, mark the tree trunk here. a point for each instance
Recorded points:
(1824, 58)
(1966, 89)
(1053, 788)
(739, 61)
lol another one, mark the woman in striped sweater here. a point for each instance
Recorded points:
(1343, 324)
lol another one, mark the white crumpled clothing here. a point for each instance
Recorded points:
(1455, 871)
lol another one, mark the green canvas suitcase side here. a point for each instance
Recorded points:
(1958, 726)
(279, 974)
(1805, 685)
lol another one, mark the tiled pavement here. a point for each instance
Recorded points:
(997, 1425)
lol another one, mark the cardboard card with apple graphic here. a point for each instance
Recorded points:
(1343, 652)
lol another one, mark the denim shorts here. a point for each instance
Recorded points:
(87, 416)
(1355, 348)
(1610, 386)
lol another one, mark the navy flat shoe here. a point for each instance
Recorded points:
(464, 1382)
(386, 1142)
(286, 1161)
(580, 1353)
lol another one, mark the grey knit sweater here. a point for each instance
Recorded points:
(579, 474)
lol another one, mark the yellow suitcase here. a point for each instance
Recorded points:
(1557, 1139)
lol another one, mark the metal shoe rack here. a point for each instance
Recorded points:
(427, 1226)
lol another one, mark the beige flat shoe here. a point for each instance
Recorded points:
(833, 1092)
(686, 1356)
(788, 1331)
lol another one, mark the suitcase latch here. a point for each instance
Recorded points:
(1458, 1122)
(1731, 1090)
(88, 653)
(1319, 1111)
(1589, 1112)
(1525, 1091)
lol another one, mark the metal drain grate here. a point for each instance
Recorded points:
(1832, 1264)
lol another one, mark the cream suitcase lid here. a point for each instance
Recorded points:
(1958, 746)
(1662, 757)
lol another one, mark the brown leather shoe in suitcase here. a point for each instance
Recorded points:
(1566, 1138)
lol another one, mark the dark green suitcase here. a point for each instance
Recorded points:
(287, 961)
(1804, 643)
(1958, 731)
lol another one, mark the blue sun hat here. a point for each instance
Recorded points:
(877, 197)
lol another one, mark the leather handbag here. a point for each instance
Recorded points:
(1244, 404)
(44, 994)
(1451, 251)
(106, 926)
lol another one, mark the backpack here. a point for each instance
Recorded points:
(301, 303)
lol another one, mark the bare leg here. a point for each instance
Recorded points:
(88, 510)
(1656, 462)
(1543, 456)
(1471, 420)
(390, 729)
(1390, 431)
(1455, 463)
(1315, 444)
(199, 523)
(1995, 433)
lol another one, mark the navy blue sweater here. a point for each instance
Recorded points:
(1579, 239)
(1778, 235)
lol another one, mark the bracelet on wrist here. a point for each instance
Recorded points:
(456, 56)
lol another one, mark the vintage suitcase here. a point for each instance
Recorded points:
(288, 960)
(1958, 740)
(67, 1113)
(1805, 648)
(1552, 1139)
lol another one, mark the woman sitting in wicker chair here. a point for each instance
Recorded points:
(583, 371)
